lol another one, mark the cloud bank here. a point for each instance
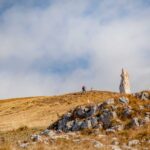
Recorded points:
(53, 47)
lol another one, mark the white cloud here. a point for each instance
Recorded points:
(114, 34)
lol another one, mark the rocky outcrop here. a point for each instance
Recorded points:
(108, 115)
(124, 84)
(145, 95)
(113, 116)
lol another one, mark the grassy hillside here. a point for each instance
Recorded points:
(42, 111)
(22, 117)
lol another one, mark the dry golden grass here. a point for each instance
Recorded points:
(11, 139)
(42, 111)
(22, 117)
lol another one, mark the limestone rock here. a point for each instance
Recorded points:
(124, 100)
(142, 95)
(76, 125)
(36, 138)
(124, 84)
(69, 124)
(127, 112)
(105, 118)
(24, 145)
(45, 132)
(110, 101)
(118, 127)
(84, 112)
(145, 96)
(97, 144)
(146, 120)
(133, 142)
(135, 122)
(115, 147)
(110, 130)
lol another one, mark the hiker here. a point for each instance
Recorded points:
(83, 89)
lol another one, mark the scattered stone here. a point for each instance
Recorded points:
(133, 142)
(36, 138)
(97, 144)
(115, 143)
(45, 132)
(145, 96)
(141, 107)
(115, 147)
(105, 118)
(96, 131)
(94, 121)
(23, 144)
(110, 101)
(124, 100)
(89, 124)
(110, 131)
(146, 119)
(126, 147)
(76, 125)
(118, 127)
(127, 112)
(135, 122)
(69, 124)
(51, 133)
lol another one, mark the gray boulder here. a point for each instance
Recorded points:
(79, 112)
(61, 124)
(85, 112)
(84, 125)
(94, 121)
(76, 125)
(69, 125)
(127, 112)
(89, 124)
(105, 118)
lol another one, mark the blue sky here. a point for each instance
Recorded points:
(50, 47)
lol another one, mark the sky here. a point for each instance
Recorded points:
(52, 47)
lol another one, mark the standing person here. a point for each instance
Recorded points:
(83, 89)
